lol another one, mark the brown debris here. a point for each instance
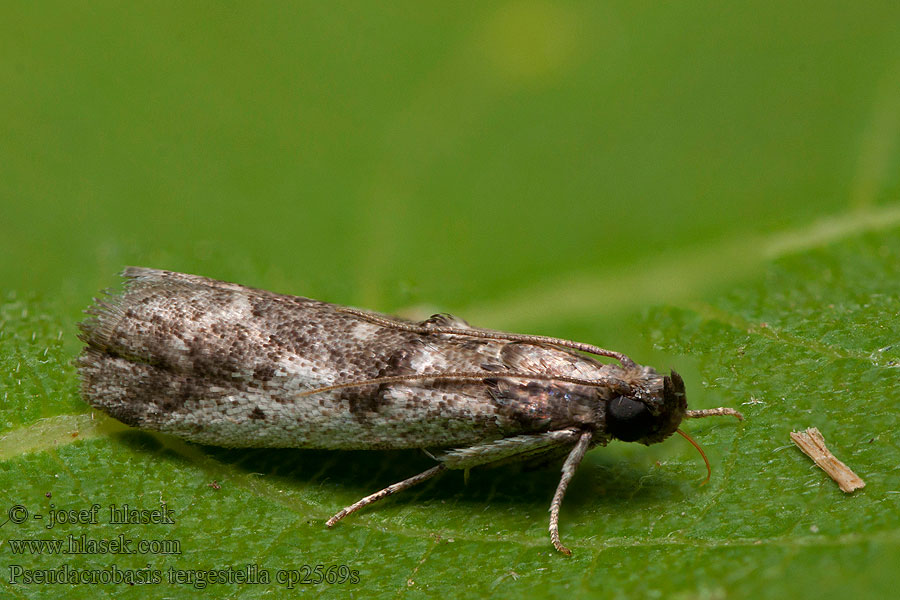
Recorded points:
(812, 444)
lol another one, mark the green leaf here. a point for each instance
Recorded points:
(812, 343)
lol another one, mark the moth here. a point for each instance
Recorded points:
(222, 364)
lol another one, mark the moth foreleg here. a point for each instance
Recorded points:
(568, 471)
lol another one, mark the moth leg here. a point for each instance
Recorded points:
(520, 447)
(568, 471)
(391, 489)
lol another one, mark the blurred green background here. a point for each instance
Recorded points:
(440, 153)
(550, 167)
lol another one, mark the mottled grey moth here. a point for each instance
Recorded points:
(223, 364)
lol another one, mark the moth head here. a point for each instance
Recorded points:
(633, 419)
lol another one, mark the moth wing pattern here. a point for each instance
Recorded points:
(228, 365)
(223, 364)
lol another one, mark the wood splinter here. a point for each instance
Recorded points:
(812, 444)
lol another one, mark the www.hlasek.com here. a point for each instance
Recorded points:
(82, 544)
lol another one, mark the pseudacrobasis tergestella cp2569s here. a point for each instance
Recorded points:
(227, 365)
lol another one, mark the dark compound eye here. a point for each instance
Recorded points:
(628, 420)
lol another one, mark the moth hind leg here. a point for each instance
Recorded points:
(388, 491)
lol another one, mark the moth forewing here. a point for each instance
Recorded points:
(223, 364)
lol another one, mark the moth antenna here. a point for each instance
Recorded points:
(492, 335)
(713, 412)
(471, 376)
(702, 453)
